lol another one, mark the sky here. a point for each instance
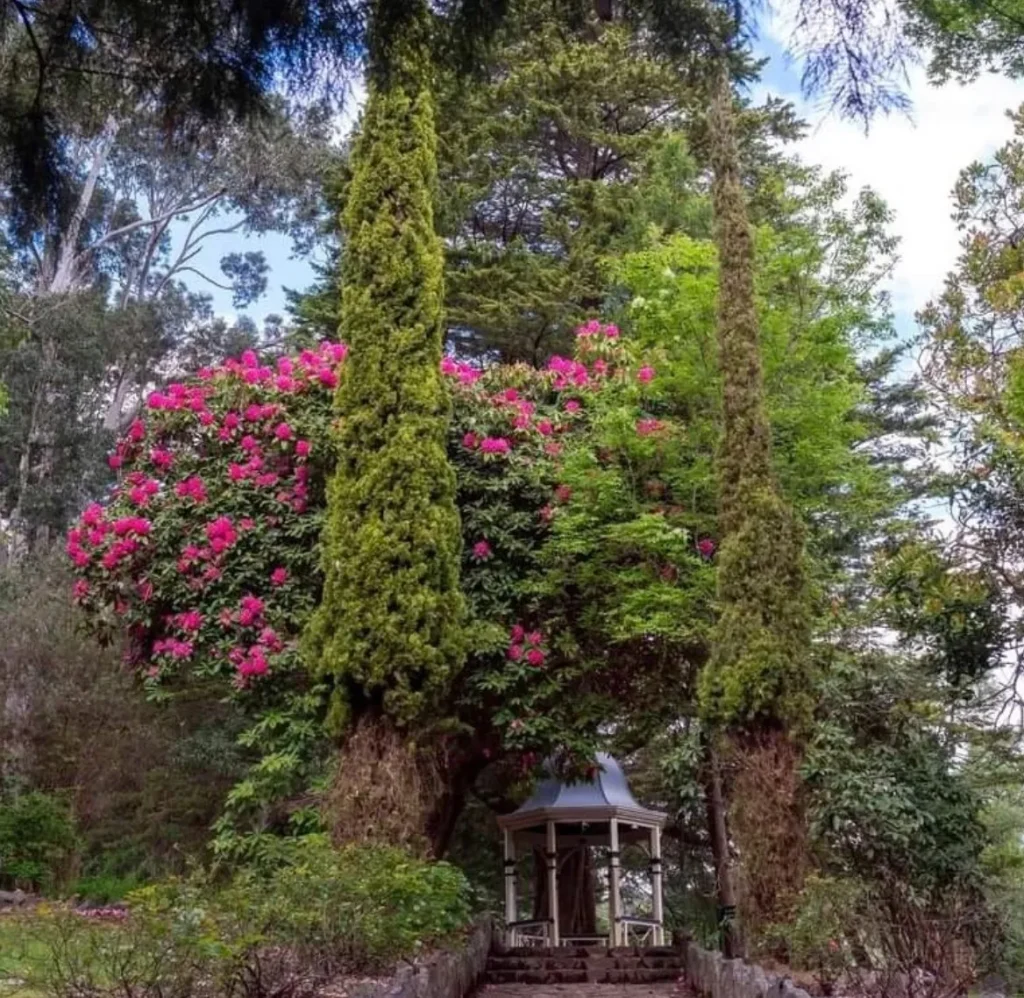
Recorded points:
(912, 161)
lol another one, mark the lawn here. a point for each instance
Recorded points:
(22, 957)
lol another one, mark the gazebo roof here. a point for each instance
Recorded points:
(606, 795)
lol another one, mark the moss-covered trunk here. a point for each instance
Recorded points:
(388, 632)
(757, 686)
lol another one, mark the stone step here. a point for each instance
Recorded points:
(638, 975)
(536, 976)
(594, 963)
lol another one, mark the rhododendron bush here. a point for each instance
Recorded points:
(206, 553)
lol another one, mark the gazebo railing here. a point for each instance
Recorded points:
(641, 931)
(531, 932)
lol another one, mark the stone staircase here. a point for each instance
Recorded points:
(584, 965)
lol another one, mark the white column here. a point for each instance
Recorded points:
(510, 886)
(614, 897)
(657, 901)
(551, 855)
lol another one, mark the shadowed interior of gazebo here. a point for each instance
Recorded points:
(577, 832)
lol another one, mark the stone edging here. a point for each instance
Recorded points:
(712, 976)
(446, 973)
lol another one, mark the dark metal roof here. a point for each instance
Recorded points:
(606, 795)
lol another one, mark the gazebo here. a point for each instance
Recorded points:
(563, 820)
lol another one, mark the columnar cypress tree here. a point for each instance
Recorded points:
(389, 626)
(757, 686)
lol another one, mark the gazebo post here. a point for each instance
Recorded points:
(552, 862)
(510, 884)
(657, 901)
(614, 898)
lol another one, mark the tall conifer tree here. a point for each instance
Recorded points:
(757, 685)
(388, 631)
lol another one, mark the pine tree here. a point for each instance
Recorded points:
(757, 686)
(388, 630)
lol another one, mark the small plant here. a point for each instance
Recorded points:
(37, 839)
(821, 936)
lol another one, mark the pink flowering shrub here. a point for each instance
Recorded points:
(206, 552)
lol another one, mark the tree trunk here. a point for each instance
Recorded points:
(64, 275)
(719, 835)
(577, 891)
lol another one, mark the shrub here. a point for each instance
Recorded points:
(280, 930)
(37, 839)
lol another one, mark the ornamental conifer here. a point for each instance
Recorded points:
(757, 686)
(389, 628)
(758, 675)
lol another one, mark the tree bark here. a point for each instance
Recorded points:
(718, 833)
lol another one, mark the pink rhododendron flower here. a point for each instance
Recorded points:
(283, 431)
(706, 547)
(515, 653)
(469, 441)
(285, 366)
(572, 406)
(563, 493)
(494, 445)
(221, 533)
(534, 638)
(302, 448)
(249, 359)
(93, 514)
(510, 395)
(115, 461)
(645, 375)
(600, 367)
(190, 621)
(552, 448)
(249, 443)
(270, 639)
(191, 488)
(611, 331)
(535, 656)
(544, 427)
(137, 431)
(132, 525)
(336, 351)
(327, 377)
(279, 576)
(80, 589)
(521, 422)
(232, 421)
(236, 472)
(481, 550)
(161, 458)
(517, 635)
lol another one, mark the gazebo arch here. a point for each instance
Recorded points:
(601, 811)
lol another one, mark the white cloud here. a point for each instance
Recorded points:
(913, 163)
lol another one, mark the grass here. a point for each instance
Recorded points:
(22, 958)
